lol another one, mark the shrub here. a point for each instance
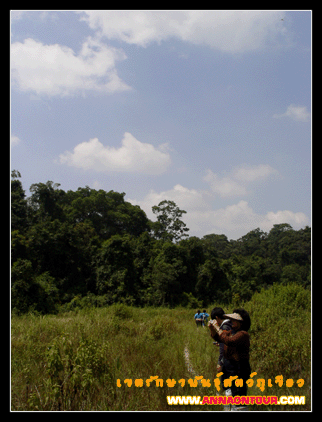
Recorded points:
(281, 332)
(72, 361)
(122, 311)
(74, 370)
(278, 303)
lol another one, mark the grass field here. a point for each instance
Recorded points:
(73, 360)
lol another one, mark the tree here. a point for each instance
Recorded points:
(68, 244)
(116, 275)
(211, 283)
(32, 293)
(142, 247)
(245, 275)
(251, 243)
(167, 276)
(216, 245)
(276, 236)
(45, 201)
(109, 213)
(193, 256)
(48, 293)
(18, 203)
(23, 288)
(169, 226)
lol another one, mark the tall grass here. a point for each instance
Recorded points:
(72, 361)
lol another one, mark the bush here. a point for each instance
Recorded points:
(48, 293)
(23, 288)
(72, 361)
(163, 327)
(122, 311)
(189, 301)
(281, 331)
(279, 303)
(74, 371)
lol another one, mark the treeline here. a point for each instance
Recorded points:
(92, 247)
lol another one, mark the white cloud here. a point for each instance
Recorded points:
(185, 198)
(238, 219)
(56, 70)
(97, 185)
(190, 200)
(225, 186)
(14, 140)
(132, 156)
(233, 220)
(235, 183)
(297, 113)
(297, 218)
(247, 173)
(225, 30)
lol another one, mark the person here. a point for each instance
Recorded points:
(236, 350)
(198, 318)
(205, 317)
(224, 324)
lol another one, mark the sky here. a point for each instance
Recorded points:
(210, 109)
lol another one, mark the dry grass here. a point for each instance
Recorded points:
(72, 361)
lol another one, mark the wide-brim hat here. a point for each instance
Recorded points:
(235, 316)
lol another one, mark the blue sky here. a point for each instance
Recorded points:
(210, 109)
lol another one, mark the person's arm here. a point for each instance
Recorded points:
(232, 340)
(214, 328)
(224, 336)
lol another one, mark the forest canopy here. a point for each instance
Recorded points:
(91, 247)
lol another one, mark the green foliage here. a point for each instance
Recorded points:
(169, 226)
(281, 334)
(76, 249)
(48, 293)
(74, 370)
(280, 302)
(18, 203)
(212, 282)
(122, 311)
(107, 211)
(28, 292)
(23, 288)
(189, 301)
(72, 361)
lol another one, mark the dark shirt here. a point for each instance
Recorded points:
(236, 345)
(226, 325)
